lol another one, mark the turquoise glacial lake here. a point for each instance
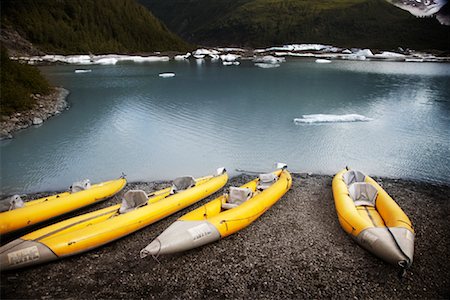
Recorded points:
(125, 118)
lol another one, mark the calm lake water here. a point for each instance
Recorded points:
(125, 118)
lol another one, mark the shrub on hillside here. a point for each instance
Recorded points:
(18, 83)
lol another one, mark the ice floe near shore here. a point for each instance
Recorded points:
(109, 59)
(83, 70)
(326, 118)
(263, 57)
(323, 61)
(166, 75)
(267, 66)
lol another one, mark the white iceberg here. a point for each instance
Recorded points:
(214, 57)
(109, 59)
(205, 52)
(269, 59)
(325, 118)
(231, 49)
(267, 66)
(166, 75)
(323, 61)
(229, 57)
(300, 47)
(83, 70)
(231, 63)
(182, 57)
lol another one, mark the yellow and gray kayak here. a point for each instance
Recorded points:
(21, 214)
(222, 216)
(373, 218)
(91, 230)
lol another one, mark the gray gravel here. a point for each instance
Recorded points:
(297, 249)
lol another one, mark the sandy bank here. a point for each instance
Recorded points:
(45, 107)
(295, 250)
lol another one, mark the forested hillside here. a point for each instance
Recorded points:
(18, 83)
(82, 26)
(258, 23)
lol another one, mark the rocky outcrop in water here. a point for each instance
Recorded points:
(45, 107)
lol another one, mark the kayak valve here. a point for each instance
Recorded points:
(282, 166)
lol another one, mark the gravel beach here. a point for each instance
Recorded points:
(297, 249)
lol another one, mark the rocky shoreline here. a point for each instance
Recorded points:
(45, 107)
(296, 250)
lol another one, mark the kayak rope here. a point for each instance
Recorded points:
(404, 264)
(155, 256)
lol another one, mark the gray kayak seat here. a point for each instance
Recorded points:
(182, 183)
(132, 200)
(79, 186)
(353, 176)
(266, 180)
(363, 193)
(236, 197)
(11, 203)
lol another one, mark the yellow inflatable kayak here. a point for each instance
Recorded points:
(223, 216)
(372, 218)
(91, 230)
(32, 212)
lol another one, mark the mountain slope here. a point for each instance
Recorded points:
(259, 23)
(81, 26)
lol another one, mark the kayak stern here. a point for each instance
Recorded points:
(22, 253)
(182, 236)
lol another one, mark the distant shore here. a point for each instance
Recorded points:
(297, 249)
(45, 107)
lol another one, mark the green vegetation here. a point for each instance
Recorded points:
(260, 23)
(18, 83)
(82, 26)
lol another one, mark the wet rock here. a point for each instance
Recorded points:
(37, 121)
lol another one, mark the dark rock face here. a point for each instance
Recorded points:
(16, 44)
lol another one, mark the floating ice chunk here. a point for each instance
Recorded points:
(300, 47)
(229, 57)
(231, 49)
(110, 59)
(107, 61)
(214, 57)
(269, 59)
(323, 61)
(414, 59)
(389, 54)
(346, 51)
(231, 63)
(166, 75)
(205, 52)
(83, 70)
(325, 118)
(364, 52)
(199, 56)
(182, 57)
(267, 66)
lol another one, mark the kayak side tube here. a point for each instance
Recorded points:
(42, 209)
(210, 222)
(85, 232)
